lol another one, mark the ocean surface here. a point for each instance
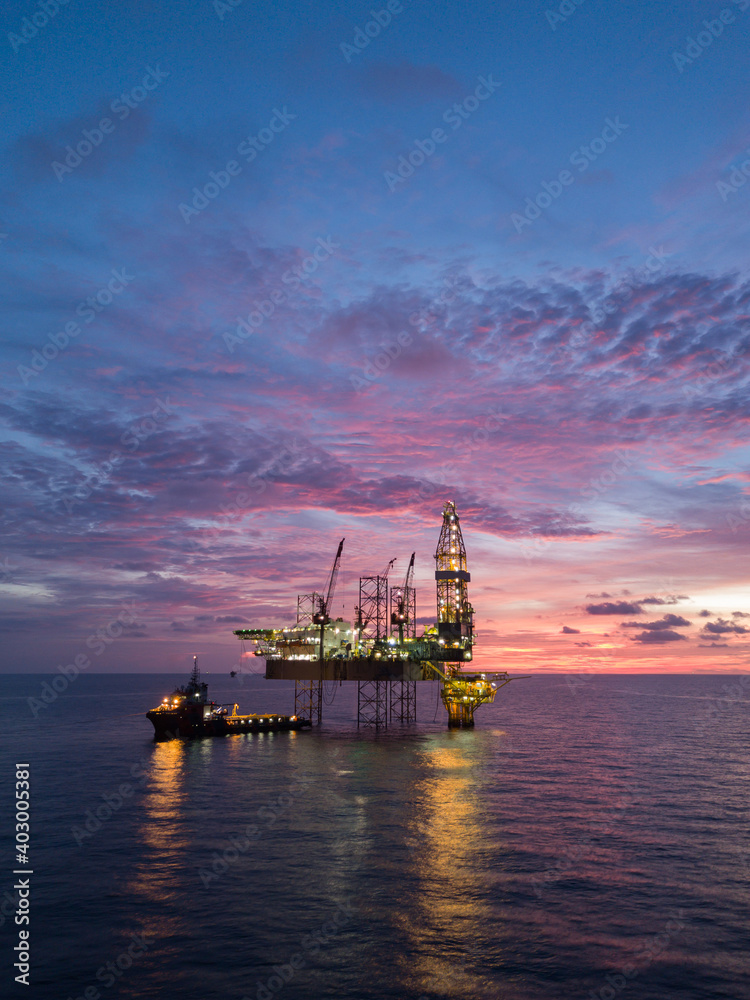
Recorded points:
(588, 839)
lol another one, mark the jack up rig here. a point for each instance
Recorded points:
(386, 667)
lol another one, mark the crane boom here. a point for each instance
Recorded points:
(387, 569)
(409, 572)
(334, 576)
(322, 616)
(402, 600)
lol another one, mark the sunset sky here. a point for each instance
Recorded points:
(279, 273)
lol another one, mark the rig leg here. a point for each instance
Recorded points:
(460, 716)
(462, 695)
(308, 700)
(372, 703)
(402, 701)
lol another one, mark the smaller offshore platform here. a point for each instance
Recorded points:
(380, 649)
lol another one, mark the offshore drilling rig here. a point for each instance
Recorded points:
(381, 651)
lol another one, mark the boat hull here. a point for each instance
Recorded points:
(170, 725)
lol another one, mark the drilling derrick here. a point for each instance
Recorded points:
(455, 614)
(461, 694)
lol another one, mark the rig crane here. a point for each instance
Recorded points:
(322, 615)
(401, 602)
(387, 569)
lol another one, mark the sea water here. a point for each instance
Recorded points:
(587, 839)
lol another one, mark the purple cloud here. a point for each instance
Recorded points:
(613, 608)
(655, 638)
(668, 621)
(722, 626)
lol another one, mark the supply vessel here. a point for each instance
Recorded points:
(189, 713)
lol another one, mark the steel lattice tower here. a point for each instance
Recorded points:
(454, 613)
(372, 703)
(307, 605)
(372, 622)
(373, 607)
(308, 700)
(402, 695)
(308, 695)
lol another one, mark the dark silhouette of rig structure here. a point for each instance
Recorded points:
(381, 650)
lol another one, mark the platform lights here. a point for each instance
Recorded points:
(441, 650)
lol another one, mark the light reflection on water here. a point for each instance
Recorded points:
(447, 829)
